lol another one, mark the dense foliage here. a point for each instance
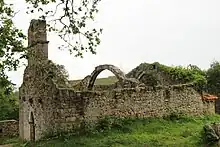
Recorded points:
(190, 74)
(213, 78)
(11, 44)
(9, 105)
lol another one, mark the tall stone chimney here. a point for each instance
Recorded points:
(37, 41)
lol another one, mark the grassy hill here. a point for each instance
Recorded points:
(152, 132)
(102, 81)
(106, 81)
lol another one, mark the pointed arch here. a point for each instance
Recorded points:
(115, 70)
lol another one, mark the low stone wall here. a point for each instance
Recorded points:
(9, 128)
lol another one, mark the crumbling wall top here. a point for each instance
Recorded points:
(37, 41)
(37, 31)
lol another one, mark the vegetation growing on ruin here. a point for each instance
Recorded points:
(174, 74)
(151, 132)
(190, 74)
(207, 80)
(51, 71)
(184, 74)
(56, 72)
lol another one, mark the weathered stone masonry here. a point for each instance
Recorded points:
(8, 128)
(46, 108)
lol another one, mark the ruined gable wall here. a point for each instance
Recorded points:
(76, 107)
(36, 92)
(36, 96)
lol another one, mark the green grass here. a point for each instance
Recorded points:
(106, 81)
(8, 140)
(182, 132)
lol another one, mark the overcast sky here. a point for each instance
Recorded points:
(172, 32)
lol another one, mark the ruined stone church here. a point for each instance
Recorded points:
(49, 105)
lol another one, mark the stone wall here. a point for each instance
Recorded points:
(105, 87)
(65, 109)
(74, 107)
(37, 104)
(8, 128)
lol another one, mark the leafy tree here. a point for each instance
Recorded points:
(196, 69)
(71, 23)
(9, 105)
(213, 78)
(11, 44)
(68, 18)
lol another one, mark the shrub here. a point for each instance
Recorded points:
(9, 108)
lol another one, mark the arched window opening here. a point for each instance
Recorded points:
(32, 127)
(116, 71)
(106, 78)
